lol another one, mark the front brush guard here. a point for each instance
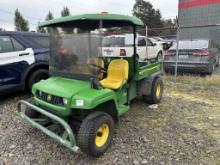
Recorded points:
(67, 139)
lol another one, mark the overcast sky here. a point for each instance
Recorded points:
(36, 10)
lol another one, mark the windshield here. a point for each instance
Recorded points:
(113, 41)
(75, 55)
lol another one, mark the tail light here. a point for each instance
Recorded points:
(169, 53)
(122, 52)
(63, 52)
(202, 53)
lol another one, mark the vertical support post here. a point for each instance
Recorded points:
(146, 42)
(135, 35)
(177, 50)
(89, 40)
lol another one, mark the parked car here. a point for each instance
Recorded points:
(169, 39)
(198, 56)
(158, 40)
(118, 45)
(23, 60)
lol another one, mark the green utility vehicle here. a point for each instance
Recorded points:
(87, 93)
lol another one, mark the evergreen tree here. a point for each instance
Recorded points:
(65, 12)
(20, 23)
(40, 29)
(49, 16)
(150, 16)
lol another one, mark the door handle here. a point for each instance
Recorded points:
(24, 54)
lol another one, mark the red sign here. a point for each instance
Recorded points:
(197, 3)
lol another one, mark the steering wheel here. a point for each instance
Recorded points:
(99, 68)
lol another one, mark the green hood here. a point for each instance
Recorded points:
(74, 91)
(62, 87)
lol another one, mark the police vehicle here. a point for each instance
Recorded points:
(23, 60)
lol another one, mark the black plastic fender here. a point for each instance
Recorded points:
(145, 85)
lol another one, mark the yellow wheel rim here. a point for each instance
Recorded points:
(158, 89)
(102, 135)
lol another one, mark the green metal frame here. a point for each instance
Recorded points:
(68, 137)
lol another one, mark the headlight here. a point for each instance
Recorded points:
(65, 101)
(79, 103)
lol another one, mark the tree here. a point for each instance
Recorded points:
(49, 16)
(65, 12)
(146, 12)
(20, 23)
(170, 26)
(40, 29)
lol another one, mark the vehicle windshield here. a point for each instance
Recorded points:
(113, 41)
(75, 54)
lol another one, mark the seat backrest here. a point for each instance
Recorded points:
(118, 70)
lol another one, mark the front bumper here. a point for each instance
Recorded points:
(48, 125)
(201, 67)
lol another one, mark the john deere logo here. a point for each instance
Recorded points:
(49, 98)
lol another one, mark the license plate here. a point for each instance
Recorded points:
(183, 56)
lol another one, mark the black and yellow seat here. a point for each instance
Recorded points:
(117, 74)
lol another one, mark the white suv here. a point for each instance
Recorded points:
(119, 46)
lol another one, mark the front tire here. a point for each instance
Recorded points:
(95, 133)
(156, 92)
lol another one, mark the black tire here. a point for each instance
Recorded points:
(31, 113)
(159, 56)
(211, 69)
(88, 132)
(36, 76)
(217, 65)
(154, 97)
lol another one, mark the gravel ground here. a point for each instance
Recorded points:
(184, 129)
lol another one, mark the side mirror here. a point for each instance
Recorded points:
(154, 44)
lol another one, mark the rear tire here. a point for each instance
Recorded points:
(217, 65)
(95, 133)
(156, 92)
(36, 76)
(211, 69)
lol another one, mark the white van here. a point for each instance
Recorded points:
(119, 46)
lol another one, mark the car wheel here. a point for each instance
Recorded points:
(36, 76)
(211, 69)
(217, 65)
(95, 133)
(160, 56)
(156, 92)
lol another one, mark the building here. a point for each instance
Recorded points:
(199, 19)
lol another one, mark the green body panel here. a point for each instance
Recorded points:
(147, 70)
(72, 90)
(94, 17)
